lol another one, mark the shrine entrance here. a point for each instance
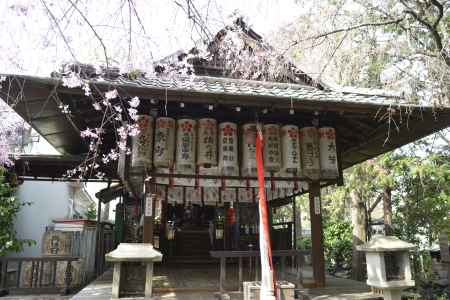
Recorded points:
(193, 237)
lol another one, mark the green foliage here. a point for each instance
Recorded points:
(338, 243)
(304, 243)
(91, 212)
(422, 198)
(9, 207)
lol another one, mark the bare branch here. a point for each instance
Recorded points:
(347, 29)
(93, 30)
(55, 21)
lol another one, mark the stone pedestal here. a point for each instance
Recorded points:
(284, 288)
(137, 254)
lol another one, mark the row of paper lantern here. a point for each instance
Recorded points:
(212, 195)
(186, 144)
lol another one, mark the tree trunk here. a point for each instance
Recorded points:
(445, 254)
(359, 235)
(387, 210)
(298, 221)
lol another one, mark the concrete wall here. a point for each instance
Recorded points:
(50, 200)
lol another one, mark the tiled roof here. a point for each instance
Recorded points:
(238, 87)
(227, 86)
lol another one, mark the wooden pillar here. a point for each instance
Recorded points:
(149, 211)
(318, 258)
(294, 223)
(98, 240)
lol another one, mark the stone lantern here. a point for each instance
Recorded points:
(388, 265)
(133, 268)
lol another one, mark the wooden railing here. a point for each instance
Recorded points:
(36, 275)
(297, 259)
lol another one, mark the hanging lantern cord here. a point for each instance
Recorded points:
(165, 104)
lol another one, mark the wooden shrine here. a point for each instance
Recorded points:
(188, 185)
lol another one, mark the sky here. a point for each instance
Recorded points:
(32, 43)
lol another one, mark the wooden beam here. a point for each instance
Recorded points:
(318, 259)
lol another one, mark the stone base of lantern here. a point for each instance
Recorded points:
(284, 288)
(395, 294)
(133, 269)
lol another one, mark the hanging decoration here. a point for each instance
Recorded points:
(309, 143)
(175, 194)
(142, 143)
(248, 167)
(291, 149)
(210, 195)
(164, 148)
(272, 148)
(193, 195)
(328, 155)
(228, 195)
(245, 195)
(228, 149)
(186, 145)
(207, 143)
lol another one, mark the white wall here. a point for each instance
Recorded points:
(50, 200)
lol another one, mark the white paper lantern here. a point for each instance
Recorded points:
(142, 143)
(186, 144)
(272, 148)
(164, 148)
(328, 154)
(228, 149)
(207, 142)
(248, 166)
(291, 149)
(309, 144)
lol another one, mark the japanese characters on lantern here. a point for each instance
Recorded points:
(142, 143)
(207, 142)
(291, 149)
(309, 143)
(186, 144)
(248, 166)
(164, 145)
(272, 148)
(228, 149)
(328, 154)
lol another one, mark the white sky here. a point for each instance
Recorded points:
(31, 44)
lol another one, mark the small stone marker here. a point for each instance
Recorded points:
(133, 252)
